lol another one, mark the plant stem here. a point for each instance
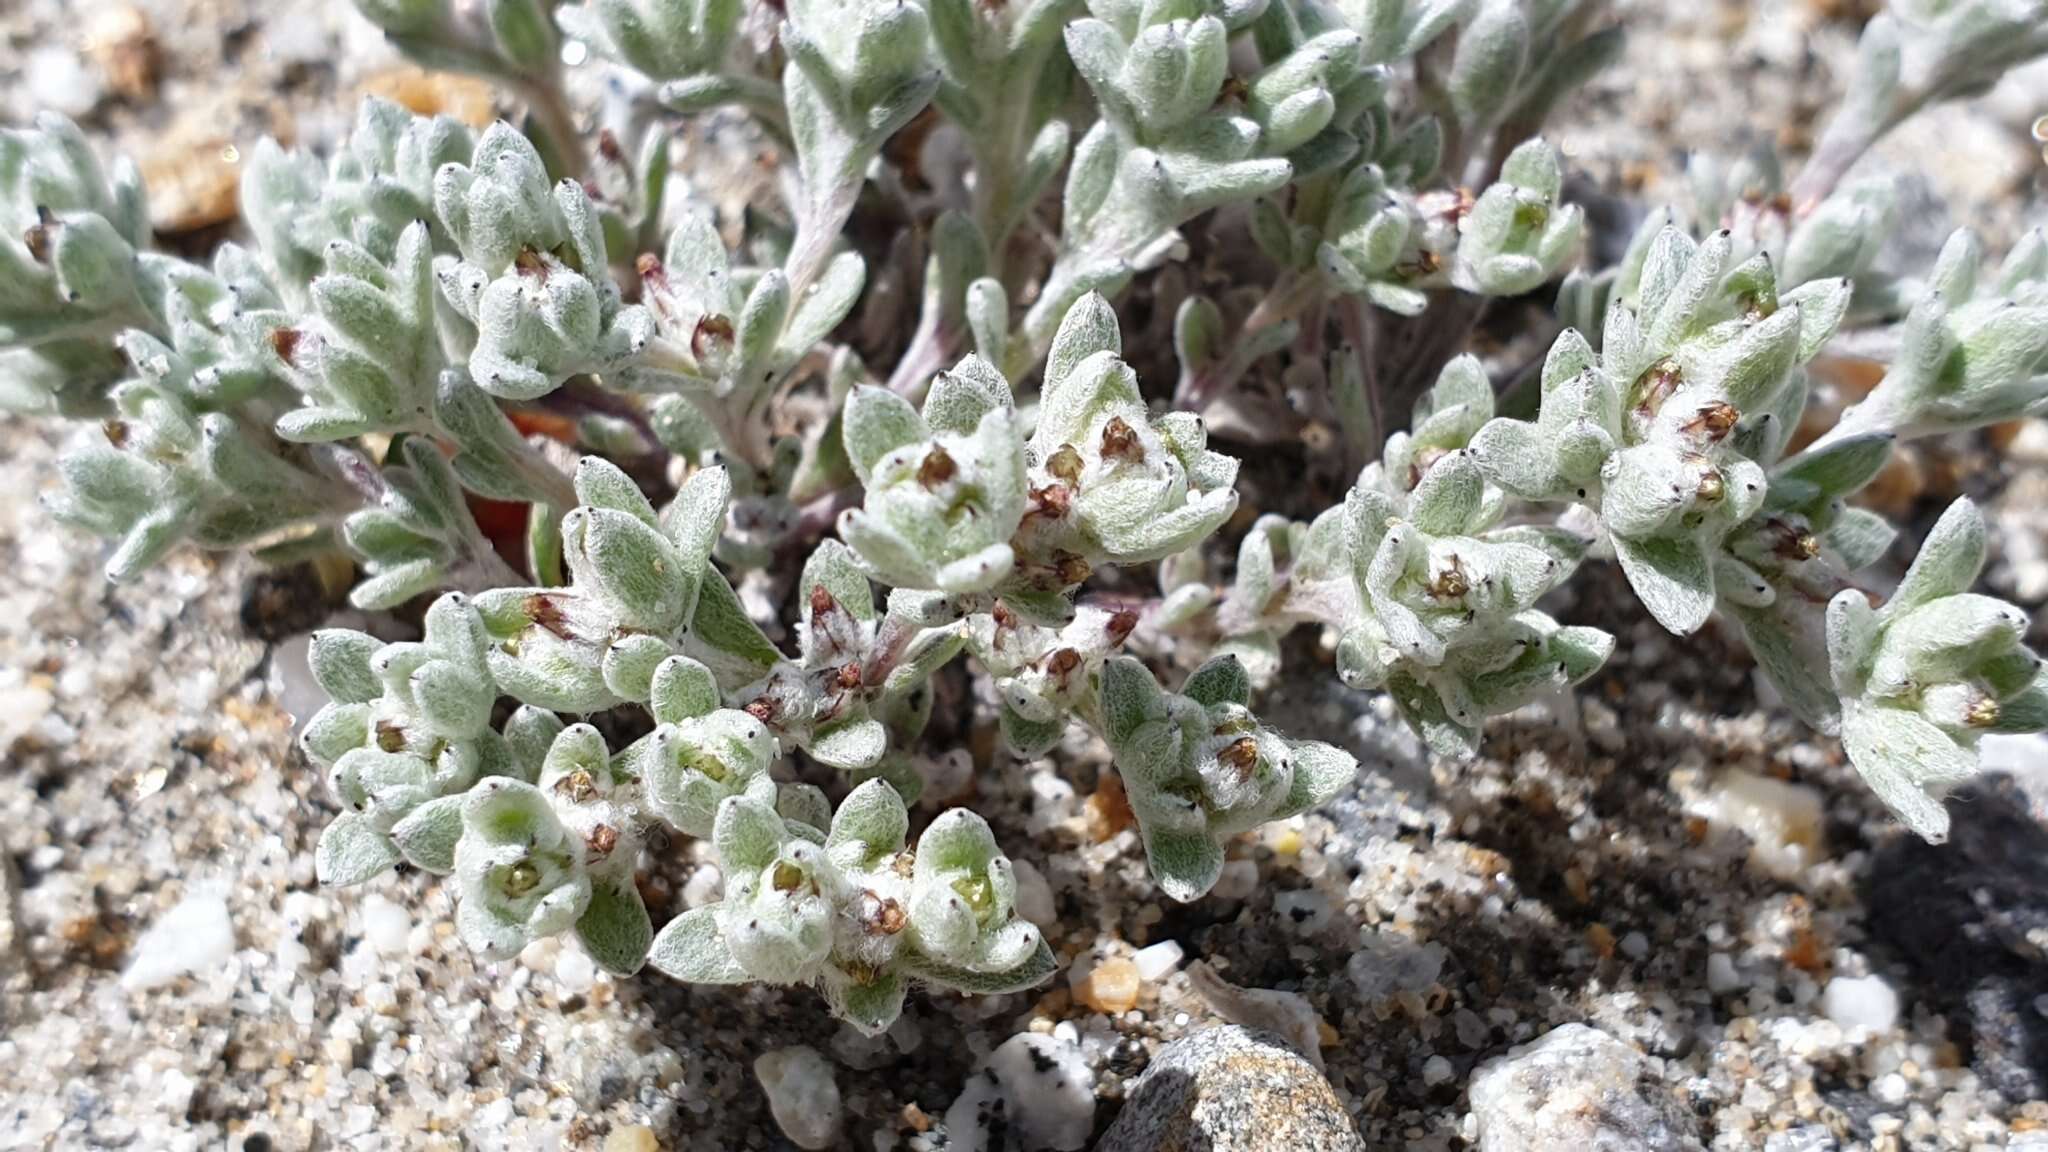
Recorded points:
(1358, 327)
(1290, 298)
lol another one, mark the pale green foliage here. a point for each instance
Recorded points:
(945, 489)
(1974, 349)
(1200, 768)
(1647, 434)
(1130, 487)
(1927, 674)
(418, 314)
(1517, 234)
(532, 274)
(847, 909)
(70, 273)
(635, 588)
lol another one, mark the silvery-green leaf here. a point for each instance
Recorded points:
(1221, 680)
(426, 837)
(691, 948)
(725, 639)
(1186, 863)
(601, 484)
(1793, 656)
(1321, 771)
(694, 519)
(352, 850)
(1859, 538)
(1672, 577)
(1908, 762)
(851, 744)
(871, 1005)
(340, 662)
(1839, 468)
(681, 688)
(614, 927)
(1130, 698)
(877, 422)
(630, 663)
(1949, 560)
(1032, 972)
(871, 823)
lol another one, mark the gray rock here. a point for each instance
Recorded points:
(1576, 1087)
(1231, 1090)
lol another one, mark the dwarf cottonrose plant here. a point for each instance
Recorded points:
(767, 475)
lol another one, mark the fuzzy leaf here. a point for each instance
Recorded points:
(352, 850)
(1220, 680)
(427, 836)
(691, 948)
(1908, 762)
(1673, 579)
(614, 928)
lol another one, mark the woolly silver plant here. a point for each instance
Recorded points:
(416, 324)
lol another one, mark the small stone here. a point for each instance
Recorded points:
(802, 1095)
(1275, 1011)
(575, 971)
(1035, 1091)
(464, 98)
(1157, 962)
(1861, 1002)
(194, 936)
(1108, 810)
(1783, 821)
(1576, 1087)
(386, 926)
(1305, 910)
(124, 46)
(58, 81)
(1437, 1070)
(1722, 976)
(10, 932)
(1229, 1089)
(22, 707)
(1034, 895)
(194, 177)
(1110, 987)
(631, 1138)
(1811, 1138)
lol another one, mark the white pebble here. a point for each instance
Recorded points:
(1156, 962)
(1635, 946)
(1437, 1070)
(59, 81)
(1721, 974)
(385, 925)
(195, 936)
(1861, 1002)
(176, 1090)
(1037, 1089)
(1783, 821)
(1891, 1088)
(802, 1095)
(575, 971)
